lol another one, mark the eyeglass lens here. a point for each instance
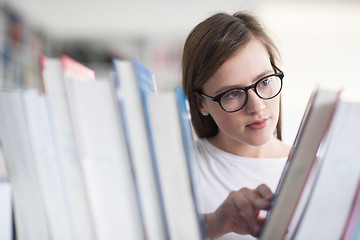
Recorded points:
(235, 99)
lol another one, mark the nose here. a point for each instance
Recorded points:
(254, 103)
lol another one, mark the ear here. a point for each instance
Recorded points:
(200, 104)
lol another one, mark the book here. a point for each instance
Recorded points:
(133, 80)
(46, 164)
(6, 218)
(337, 181)
(301, 165)
(186, 130)
(29, 212)
(104, 159)
(173, 151)
(6, 206)
(80, 213)
(189, 147)
(4, 176)
(352, 226)
(75, 70)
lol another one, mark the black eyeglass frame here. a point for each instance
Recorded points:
(217, 98)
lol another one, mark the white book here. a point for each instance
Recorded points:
(104, 159)
(173, 166)
(6, 206)
(29, 212)
(336, 185)
(80, 214)
(6, 219)
(296, 181)
(47, 166)
(129, 93)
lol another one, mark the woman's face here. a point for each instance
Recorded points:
(255, 123)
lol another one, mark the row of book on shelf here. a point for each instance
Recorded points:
(99, 158)
(114, 159)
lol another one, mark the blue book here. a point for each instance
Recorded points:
(188, 140)
(171, 133)
(133, 81)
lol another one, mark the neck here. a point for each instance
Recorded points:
(273, 148)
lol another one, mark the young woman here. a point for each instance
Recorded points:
(233, 84)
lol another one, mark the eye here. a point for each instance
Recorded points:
(266, 82)
(232, 94)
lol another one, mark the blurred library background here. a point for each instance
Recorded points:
(318, 40)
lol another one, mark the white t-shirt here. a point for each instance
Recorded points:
(219, 172)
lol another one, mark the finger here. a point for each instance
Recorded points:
(258, 201)
(247, 212)
(264, 191)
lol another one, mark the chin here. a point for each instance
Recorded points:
(259, 140)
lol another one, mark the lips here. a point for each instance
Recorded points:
(257, 125)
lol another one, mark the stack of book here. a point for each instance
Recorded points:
(113, 158)
(85, 161)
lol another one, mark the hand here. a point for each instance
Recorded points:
(239, 212)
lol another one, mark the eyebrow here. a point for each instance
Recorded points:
(258, 77)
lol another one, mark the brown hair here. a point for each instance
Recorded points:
(208, 46)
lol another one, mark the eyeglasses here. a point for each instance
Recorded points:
(235, 99)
